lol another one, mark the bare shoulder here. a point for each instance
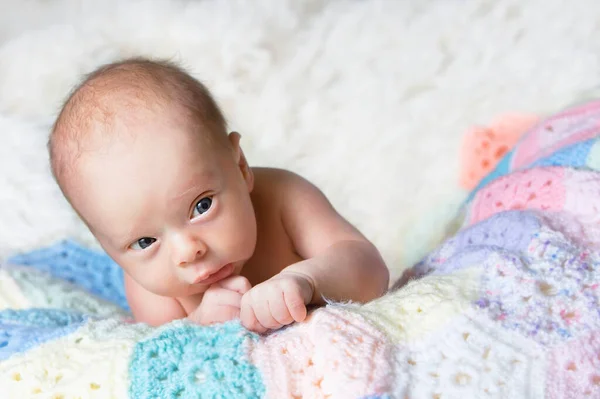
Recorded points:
(267, 175)
(278, 181)
(271, 190)
(286, 191)
(307, 215)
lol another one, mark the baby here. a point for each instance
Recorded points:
(141, 151)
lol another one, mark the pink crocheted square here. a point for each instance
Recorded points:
(335, 354)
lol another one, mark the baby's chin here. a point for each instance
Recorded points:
(183, 289)
(178, 290)
(200, 288)
(189, 290)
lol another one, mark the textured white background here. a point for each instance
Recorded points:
(368, 99)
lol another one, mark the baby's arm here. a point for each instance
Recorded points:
(341, 264)
(151, 308)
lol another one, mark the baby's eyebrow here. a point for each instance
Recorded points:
(199, 182)
(186, 192)
(115, 239)
(121, 239)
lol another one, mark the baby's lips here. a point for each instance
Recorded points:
(215, 276)
(201, 278)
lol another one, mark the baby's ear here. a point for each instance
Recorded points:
(240, 159)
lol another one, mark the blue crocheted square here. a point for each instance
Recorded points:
(21, 330)
(93, 271)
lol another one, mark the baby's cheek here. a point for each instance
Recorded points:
(237, 238)
(158, 280)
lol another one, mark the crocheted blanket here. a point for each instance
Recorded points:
(508, 307)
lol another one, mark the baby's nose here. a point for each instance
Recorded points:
(187, 250)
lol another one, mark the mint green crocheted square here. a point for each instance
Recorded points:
(188, 361)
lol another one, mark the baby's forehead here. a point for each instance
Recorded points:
(121, 102)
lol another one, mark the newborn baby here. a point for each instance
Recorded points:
(141, 151)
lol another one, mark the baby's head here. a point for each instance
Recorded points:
(140, 150)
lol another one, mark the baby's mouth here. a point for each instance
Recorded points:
(220, 274)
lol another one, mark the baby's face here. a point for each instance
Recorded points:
(176, 215)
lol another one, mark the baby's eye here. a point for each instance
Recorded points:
(142, 243)
(202, 206)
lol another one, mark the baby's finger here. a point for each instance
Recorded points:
(249, 319)
(295, 305)
(221, 314)
(236, 283)
(222, 296)
(264, 317)
(279, 311)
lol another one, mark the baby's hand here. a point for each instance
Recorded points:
(222, 301)
(277, 302)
